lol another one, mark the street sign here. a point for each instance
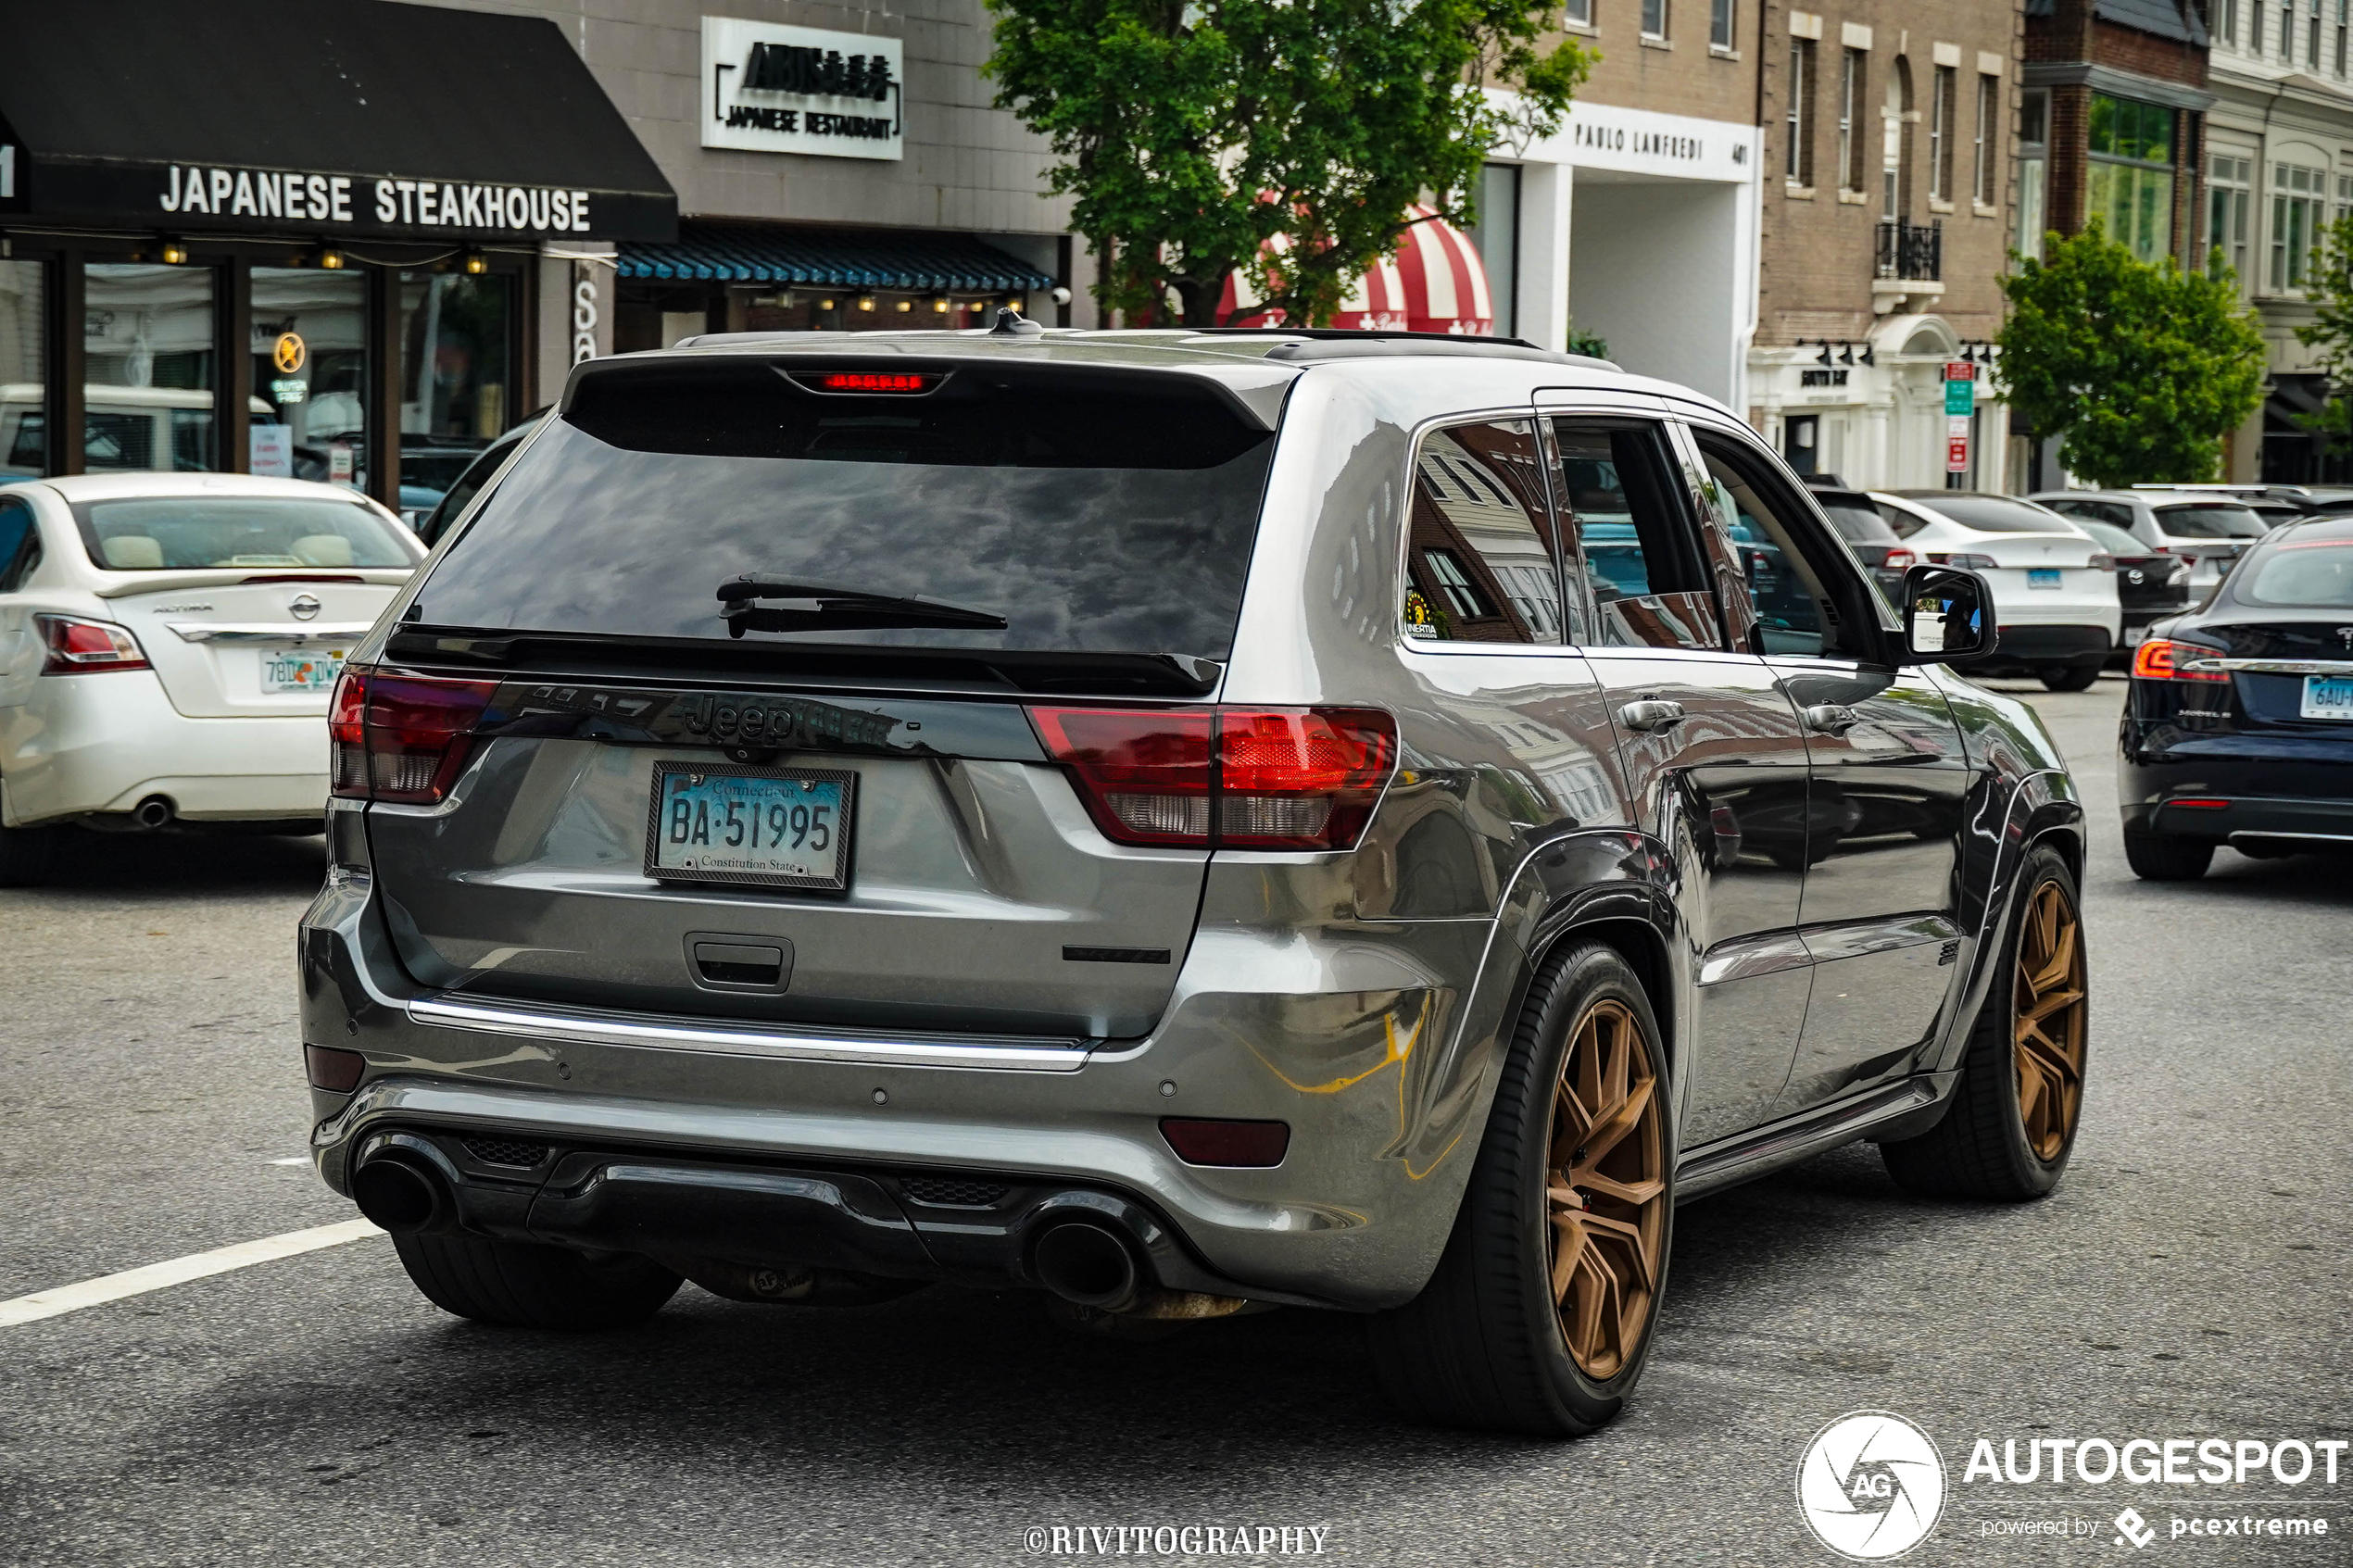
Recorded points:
(1960, 398)
(1959, 370)
(1957, 453)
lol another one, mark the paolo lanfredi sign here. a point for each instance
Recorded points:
(767, 87)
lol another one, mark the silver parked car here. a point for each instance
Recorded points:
(2209, 530)
(1176, 820)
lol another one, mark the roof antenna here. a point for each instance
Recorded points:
(1013, 323)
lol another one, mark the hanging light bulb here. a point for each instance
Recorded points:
(171, 252)
(474, 263)
(865, 302)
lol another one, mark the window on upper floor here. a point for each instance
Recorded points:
(1940, 134)
(2033, 111)
(1579, 12)
(1721, 23)
(2226, 23)
(2298, 197)
(1989, 140)
(2229, 180)
(1655, 19)
(1799, 163)
(1851, 140)
(2131, 173)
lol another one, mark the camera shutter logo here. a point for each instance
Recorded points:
(1871, 1486)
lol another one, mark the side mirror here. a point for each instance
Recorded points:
(1948, 615)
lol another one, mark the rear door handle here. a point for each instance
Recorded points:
(1650, 713)
(1830, 718)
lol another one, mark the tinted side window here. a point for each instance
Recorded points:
(1631, 539)
(19, 545)
(1802, 587)
(1479, 562)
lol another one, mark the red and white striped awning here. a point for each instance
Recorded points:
(1435, 283)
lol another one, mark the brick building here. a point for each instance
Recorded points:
(1888, 210)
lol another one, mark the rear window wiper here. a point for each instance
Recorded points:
(828, 607)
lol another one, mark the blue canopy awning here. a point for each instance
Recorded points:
(844, 258)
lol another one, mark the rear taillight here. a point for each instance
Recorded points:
(88, 647)
(402, 737)
(2157, 659)
(1237, 778)
(1965, 560)
(1900, 560)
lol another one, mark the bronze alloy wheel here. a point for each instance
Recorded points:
(2048, 1021)
(1605, 1183)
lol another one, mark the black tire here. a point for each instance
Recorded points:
(1482, 1346)
(2072, 677)
(2155, 857)
(1980, 1148)
(522, 1285)
(27, 856)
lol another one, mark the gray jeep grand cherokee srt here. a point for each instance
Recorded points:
(1181, 821)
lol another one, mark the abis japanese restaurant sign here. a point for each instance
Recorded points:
(767, 87)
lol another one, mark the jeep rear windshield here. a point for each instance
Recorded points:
(1096, 510)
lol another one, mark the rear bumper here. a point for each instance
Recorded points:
(104, 742)
(1315, 1030)
(2035, 642)
(2290, 796)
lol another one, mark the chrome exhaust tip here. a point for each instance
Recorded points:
(153, 812)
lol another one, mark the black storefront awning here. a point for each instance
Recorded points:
(331, 117)
(831, 258)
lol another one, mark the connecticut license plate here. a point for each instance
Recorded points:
(773, 827)
(300, 671)
(2328, 696)
(2042, 577)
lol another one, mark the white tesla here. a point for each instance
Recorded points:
(168, 645)
(2053, 587)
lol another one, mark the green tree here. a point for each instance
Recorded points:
(2328, 288)
(1192, 133)
(2141, 368)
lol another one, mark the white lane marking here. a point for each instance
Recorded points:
(179, 1270)
(292, 1159)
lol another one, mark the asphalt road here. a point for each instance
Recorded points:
(2188, 1280)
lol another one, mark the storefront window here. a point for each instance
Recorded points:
(309, 365)
(454, 377)
(2131, 173)
(148, 342)
(24, 447)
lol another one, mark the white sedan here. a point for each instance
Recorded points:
(2053, 587)
(168, 645)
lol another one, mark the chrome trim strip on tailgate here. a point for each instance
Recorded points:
(2276, 666)
(582, 1026)
(269, 631)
